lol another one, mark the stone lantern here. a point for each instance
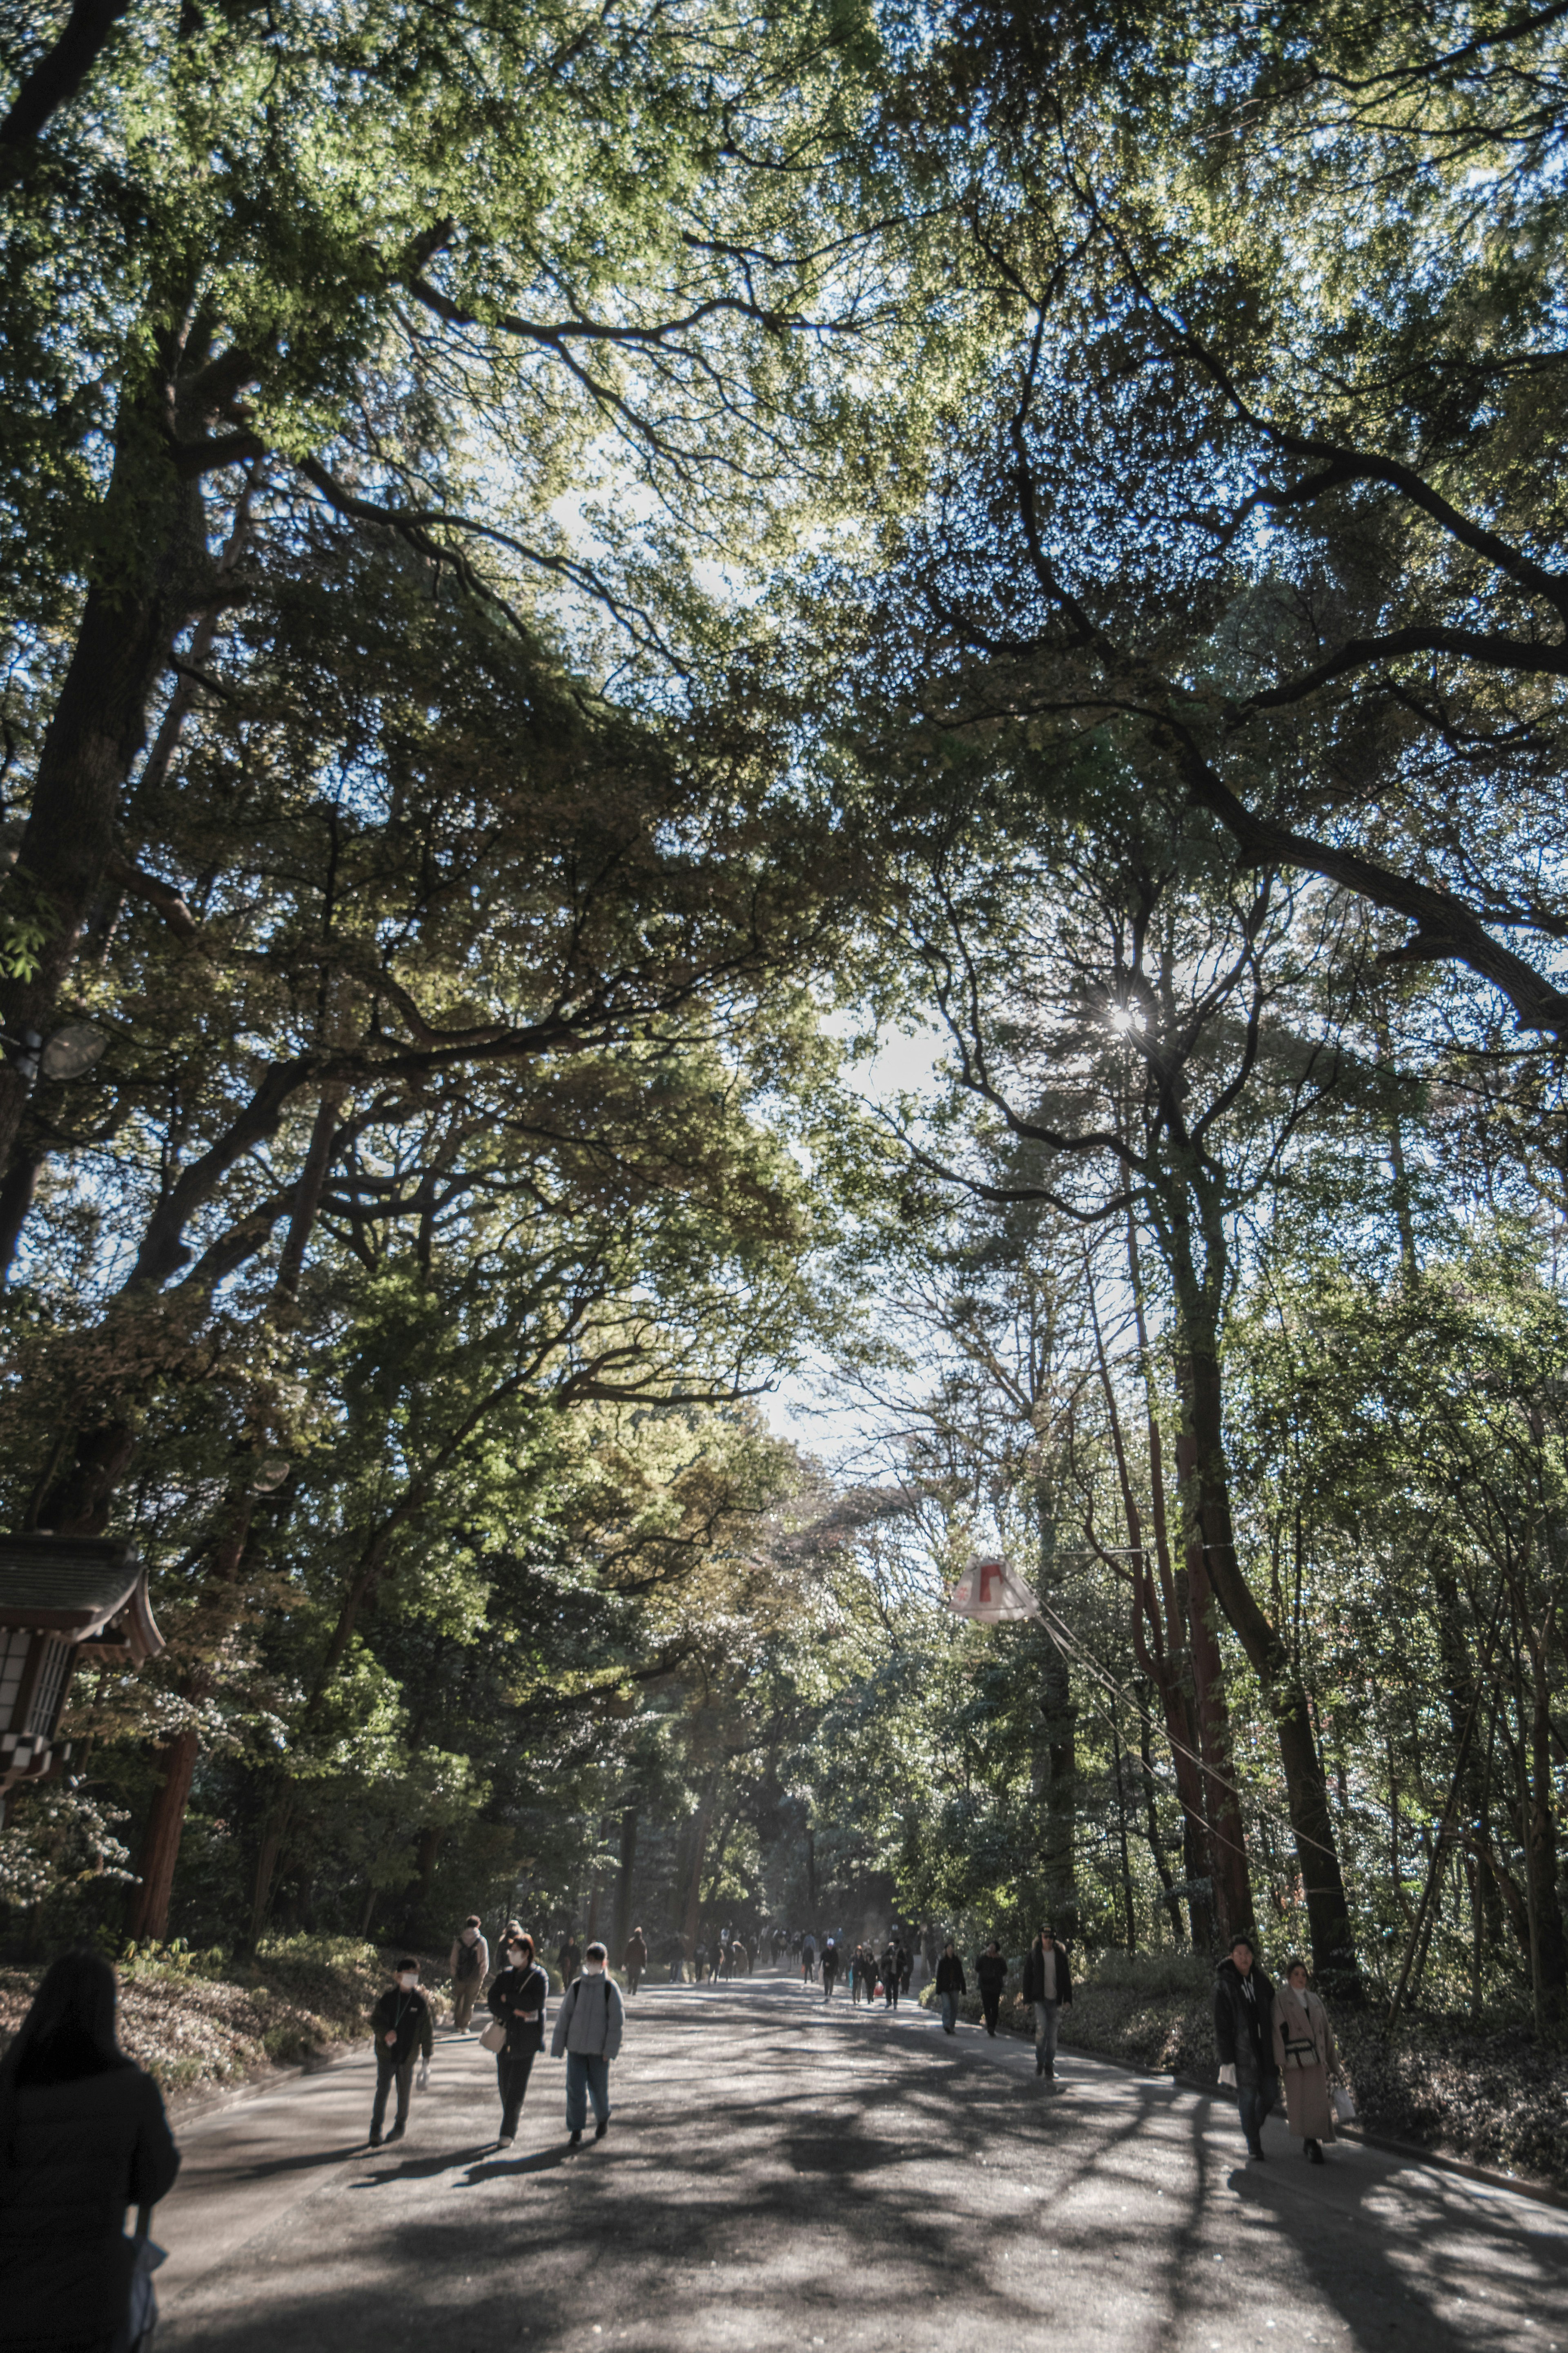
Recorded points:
(62, 1599)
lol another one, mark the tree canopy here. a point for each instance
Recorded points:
(798, 775)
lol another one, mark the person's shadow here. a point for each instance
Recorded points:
(420, 2168)
(509, 2168)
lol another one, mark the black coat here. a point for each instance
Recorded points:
(513, 1991)
(1034, 1974)
(1244, 2028)
(990, 1972)
(79, 2155)
(407, 2015)
(949, 1975)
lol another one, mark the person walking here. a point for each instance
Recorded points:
(949, 1985)
(468, 1966)
(1047, 1984)
(807, 1959)
(991, 1975)
(82, 2136)
(519, 2000)
(1244, 2038)
(905, 1960)
(401, 2024)
(1305, 2057)
(634, 1959)
(569, 1959)
(829, 1967)
(588, 2028)
(888, 1966)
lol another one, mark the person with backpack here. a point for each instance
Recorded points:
(519, 2000)
(634, 1959)
(991, 1975)
(949, 1985)
(401, 2024)
(82, 2136)
(588, 2028)
(469, 1966)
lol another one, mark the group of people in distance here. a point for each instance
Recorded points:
(1046, 1988)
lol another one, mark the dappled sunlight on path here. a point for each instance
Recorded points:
(778, 2172)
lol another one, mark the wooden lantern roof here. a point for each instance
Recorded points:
(84, 1590)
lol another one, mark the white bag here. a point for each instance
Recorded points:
(494, 2036)
(1344, 2105)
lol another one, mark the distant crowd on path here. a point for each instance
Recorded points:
(1265, 2038)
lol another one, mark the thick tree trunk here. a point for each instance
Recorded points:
(1058, 1776)
(1166, 1655)
(177, 1759)
(165, 1822)
(621, 1921)
(698, 1850)
(157, 573)
(1224, 1840)
(1212, 1537)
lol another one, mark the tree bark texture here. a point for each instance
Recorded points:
(1211, 1542)
(164, 1829)
(621, 1920)
(155, 524)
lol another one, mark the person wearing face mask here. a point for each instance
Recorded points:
(470, 1965)
(588, 2028)
(401, 2025)
(518, 2002)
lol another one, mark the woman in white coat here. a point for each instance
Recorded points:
(1305, 2054)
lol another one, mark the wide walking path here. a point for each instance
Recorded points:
(780, 2173)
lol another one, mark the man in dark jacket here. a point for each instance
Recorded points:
(1244, 2038)
(1048, 1983)
(634, 1960)
(991, 1974)
(401, 2025)
(949, 1984)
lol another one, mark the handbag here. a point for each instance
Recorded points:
(143, 2317)
(1344, 2105)
(494, 2036)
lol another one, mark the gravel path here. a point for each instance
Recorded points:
(786, 2175)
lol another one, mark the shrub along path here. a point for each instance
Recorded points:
(780, 2173)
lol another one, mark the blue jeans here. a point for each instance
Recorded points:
(1047, 2014)
(587, 2078)
(949, 2012)
(1253, 2102)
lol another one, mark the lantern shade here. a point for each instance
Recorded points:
(989, 1591)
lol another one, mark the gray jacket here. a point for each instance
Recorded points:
(590, 2018)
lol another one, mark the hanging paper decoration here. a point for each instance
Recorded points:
(989, 1590)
